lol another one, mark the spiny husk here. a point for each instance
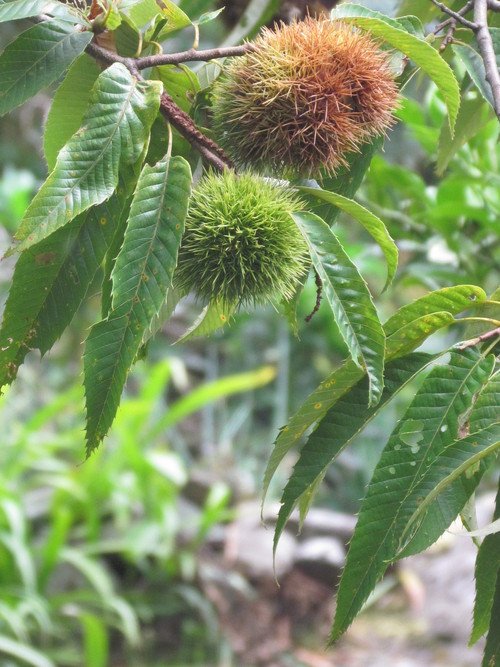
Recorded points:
(240, 244)
(307, 95)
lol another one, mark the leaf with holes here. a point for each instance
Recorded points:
(429, 425)
(408, 328)
(340, 425)
(114, 133)
(141, 277)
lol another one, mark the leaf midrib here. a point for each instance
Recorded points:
(132, 304)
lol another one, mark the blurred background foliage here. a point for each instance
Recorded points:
(104, 562)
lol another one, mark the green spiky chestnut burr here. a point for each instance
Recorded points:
(240, 244)
(304, 97)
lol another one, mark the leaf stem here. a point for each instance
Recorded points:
(494, 333)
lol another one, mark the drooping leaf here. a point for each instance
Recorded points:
(491, 656)
(486, 576)
(373, 225)
(449, 467)
(340, 425)
(430, 423)
(77, 272)
(405, 331)
(68, 106)
(141, 277)
(50, 281)
(347, 179)
(350, 300)
(418, 50)
(115, 132)
(39, 56)
(212, 318)
(450, 489)
(473, 115)
(109, 262)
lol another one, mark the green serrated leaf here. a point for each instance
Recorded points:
(450, 299)
(38, 56)
(491, 656)
(349, 298)
(69, 104)
(450, 488)
(485, 410)
(433, 416)
(373, 225)
(405, 331)
(50, 281)
(347, 179)
(141, 277)
(340, 425)
(115, 132)
(473, 115)
(422, 53)
(486, 575)
(213, 317)
(110, 259)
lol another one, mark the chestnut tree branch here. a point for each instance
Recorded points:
(192, 55)
(494, 333)
(494, 5)
(452, 21)
(487, 51)
(455, 15)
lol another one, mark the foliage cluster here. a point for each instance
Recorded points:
(116, 201)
